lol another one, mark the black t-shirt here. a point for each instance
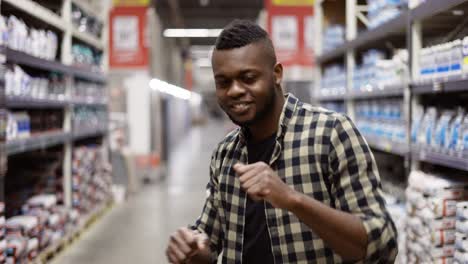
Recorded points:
(257, 245)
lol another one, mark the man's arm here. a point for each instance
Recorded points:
(358, 227)
(202, 243)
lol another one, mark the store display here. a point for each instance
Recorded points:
(445, 131)
(85, 22)
(443, 60)
(381, 11)
(333, 80)
(381, 119)
(333, 36)
(90, 118)
(36, 42)
(376, 72)
(337, 107)
(18, 83)
(23, 124)
(433, 209)
(84, 90)
(91, 178)
(84, 56)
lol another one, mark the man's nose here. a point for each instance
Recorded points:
(236, 90)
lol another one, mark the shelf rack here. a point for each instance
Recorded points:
(67, 137)
(409, 27)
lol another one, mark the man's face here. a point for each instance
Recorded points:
(245, 83)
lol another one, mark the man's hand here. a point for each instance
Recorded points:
(184, 244)
(261, 182)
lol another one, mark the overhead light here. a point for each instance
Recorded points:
(458, 12)
(191, 33)
(173, 90)
(204, 2)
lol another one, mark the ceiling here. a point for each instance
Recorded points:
(205, 14)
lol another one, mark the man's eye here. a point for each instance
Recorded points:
(222, 83)
(249, 79)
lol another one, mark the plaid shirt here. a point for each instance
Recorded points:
(318, 153)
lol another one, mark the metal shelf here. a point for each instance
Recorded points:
(22, 58)
(36, 142)
(433, 7)
(385, 91)
(443, 85)
(25, 59)
(332, 97)
(28, 102)
(89, 102)
(88, 74)
(333, 54)
(456, 160)
(390, 28)
(38, 11)
(389, 146)
(88, 133)
(88, 39)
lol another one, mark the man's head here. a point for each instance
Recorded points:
(246, 73)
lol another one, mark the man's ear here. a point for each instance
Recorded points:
(278, 72)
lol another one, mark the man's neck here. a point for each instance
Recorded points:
(269, 125)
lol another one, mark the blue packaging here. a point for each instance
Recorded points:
(455, 127)
(440, 136)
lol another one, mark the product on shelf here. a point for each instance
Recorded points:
(85, 22)
(376, 72)
(381, 118)
(443, 60)
(91, 182)
(333, 36)
(84, 56)
(333, 80)
(19, 83)
(89, 118)
(18, 125)
(465, 54)
(449, 131)
(381, 11)
(433, 210)
(36, 42)
(334, 106)
(22, 124)
(84, 90)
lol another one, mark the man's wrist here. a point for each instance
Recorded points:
(294, 200)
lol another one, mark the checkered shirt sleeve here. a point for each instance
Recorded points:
(356, 189)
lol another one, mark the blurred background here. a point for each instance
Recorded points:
(108, 116)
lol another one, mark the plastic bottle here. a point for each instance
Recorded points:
(465, 54)
(456, 57)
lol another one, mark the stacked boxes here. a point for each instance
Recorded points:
(431, 206)
(461, 237)
(91, 178)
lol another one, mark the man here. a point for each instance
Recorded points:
(294, 184)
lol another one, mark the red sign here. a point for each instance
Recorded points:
(291, 30)
(128, 47)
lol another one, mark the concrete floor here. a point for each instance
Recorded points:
(137, 231)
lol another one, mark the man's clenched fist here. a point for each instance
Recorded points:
(261, 182)
(184, 244)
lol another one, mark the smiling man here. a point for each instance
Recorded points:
(294, 184)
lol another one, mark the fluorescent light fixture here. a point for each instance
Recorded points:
(191, 33)
(173, 90)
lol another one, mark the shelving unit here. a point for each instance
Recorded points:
(356, 41)
(67, 137)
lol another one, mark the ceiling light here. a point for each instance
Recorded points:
(191, 33)
(173, 90)
(204, 2)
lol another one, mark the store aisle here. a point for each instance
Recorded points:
(137, 231)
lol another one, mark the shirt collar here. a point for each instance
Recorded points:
(289, 108)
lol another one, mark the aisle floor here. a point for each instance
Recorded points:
(137, 231)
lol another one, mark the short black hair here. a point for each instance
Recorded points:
(240, 33)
